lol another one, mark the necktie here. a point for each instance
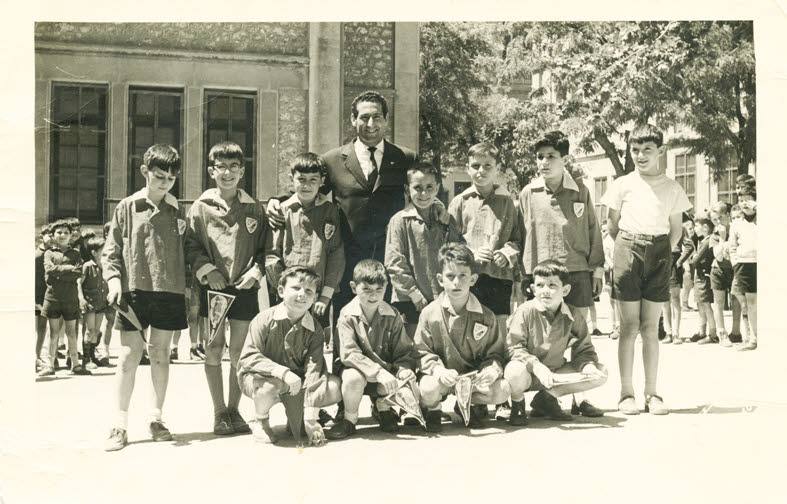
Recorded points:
(372, 177)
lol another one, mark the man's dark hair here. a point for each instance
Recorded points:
(369, 96)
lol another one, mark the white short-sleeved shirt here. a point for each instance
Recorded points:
(645, 203)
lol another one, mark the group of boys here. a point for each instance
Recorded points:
(449, 327)
(719, 255)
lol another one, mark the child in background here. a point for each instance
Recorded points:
(673, 310)
(414, 238)
(739, 333)
(721, 272)
(689, 246)
(743, 254)
(43, 366)
(282, 354)
(92, 289)
(609, 247)
(62, 267)
(703, 295)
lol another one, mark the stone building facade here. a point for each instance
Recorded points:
(105, 92)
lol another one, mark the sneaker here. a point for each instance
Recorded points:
(117, 440)
(707, 340)
(239, 425)
(628, 405)
(596, 332)
(195, 355)
(547, 406)
(341, 429)
(388, 421)
(80, 370)
(503, 412)
(697, 337)
(144, 360)
(434, 421)
(586, 409)
(173, 355)
(518, 414)
(261, 431)
(46, 370)
(751, 345)
(222, 424)
(655, 405)
(159, 431)
(102, 357)
(324, 418)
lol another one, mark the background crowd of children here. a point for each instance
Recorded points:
(453, 270)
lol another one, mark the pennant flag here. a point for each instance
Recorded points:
(463, 391)
(128, 313)
(293, 408)
(405, 398)
(218, 306)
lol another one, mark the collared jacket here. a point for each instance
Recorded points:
(560, 225)
(144, 247)
(465, 342)
(533, 338)
(275, 345)
(366, 209)
(310, 237)
(61, 270)
(228, 239)
(491, 222)
(370, 346)
(411, 249)
(702, 260)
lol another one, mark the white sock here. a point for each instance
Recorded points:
(122, 420)
(351, 417)
(155, 414)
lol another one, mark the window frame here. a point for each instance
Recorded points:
(682, 176)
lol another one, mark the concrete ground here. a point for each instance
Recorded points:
(723, 442)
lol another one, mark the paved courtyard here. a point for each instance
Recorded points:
(723, 442)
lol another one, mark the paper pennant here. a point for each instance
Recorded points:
(463, 391)
(293, 409)
(128, 313)
(405, 398)
(218, 306)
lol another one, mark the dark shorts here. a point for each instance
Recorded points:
(408, 311)
(745, 277)
(641, 268)
(95, 303)
(69, 310)
(160, 310)
(581, 293)
(702, 289)
(608, 277)
(494, 293)
(721, 279)
(676, 272)
(244, 307)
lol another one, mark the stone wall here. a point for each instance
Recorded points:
(293, 131)
(291, 39)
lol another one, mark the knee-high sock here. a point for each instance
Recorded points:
(216, 387)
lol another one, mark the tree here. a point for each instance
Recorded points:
(717, 80)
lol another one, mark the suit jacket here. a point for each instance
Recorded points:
(367, 210)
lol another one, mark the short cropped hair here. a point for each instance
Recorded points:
(87, 234)
(484, 149)
(744, 178)
(721, 207)
(748, 190)
(94, 243)
(299, 272)
(72, 222)
(551, 267)
(162, 156)
(369, 96)
(46, 230)
(646, 133)
(225, 150)
(58, 224)
(309, 162)
(457, 254)
(370, 271)
(426, 169)
(555, 139)
(705, 221)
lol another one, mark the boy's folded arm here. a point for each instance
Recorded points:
(251, 356)
(350, 353)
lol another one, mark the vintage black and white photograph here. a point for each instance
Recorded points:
(386, 260)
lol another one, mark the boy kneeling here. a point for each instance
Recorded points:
(283, 354)
(374, 348)
(456, 334)
(539, 332)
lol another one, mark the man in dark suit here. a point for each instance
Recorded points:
(367, 177)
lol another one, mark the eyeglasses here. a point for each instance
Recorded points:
(233, 168)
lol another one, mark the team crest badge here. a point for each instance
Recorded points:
(181, 226)
(251, 224)
(329, 230)
(479, 331)
(579, 210)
